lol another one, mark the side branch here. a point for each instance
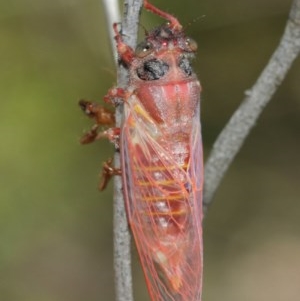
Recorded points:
(237, 129)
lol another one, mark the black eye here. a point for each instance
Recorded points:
(143, 49)
(152, 70)
(185, 65)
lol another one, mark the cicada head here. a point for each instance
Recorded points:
(166, 50)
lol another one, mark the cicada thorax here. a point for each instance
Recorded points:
(160, 142)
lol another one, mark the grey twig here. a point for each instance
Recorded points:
(237, 129)
(122, 258)
(112, 14)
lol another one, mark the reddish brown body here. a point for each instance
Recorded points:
(161, 160)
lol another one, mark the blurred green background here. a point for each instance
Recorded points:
(56, 228)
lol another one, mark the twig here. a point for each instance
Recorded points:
(237, 129)
(112, 14)
(122, 258)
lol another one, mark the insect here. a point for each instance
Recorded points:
(161, 157)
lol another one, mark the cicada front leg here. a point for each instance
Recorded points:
(101, 116)
(126, 53)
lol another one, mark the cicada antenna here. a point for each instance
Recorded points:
(144, 28)
(193, 21)
(174, 23)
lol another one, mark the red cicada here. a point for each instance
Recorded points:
(161, 158)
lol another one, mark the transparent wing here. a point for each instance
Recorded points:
(162, 180)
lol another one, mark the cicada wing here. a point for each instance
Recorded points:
(196, 170)
(163, 201)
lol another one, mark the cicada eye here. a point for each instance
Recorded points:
(143, 49)
(152, 69)
(191, 44)
(185, 65)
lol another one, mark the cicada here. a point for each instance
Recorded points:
(161, 157)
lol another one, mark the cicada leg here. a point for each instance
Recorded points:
(125, 52)
(116, 96)
(112, 134)
(107, 172)
(101, 115)
(104, 117)
(174, 23)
